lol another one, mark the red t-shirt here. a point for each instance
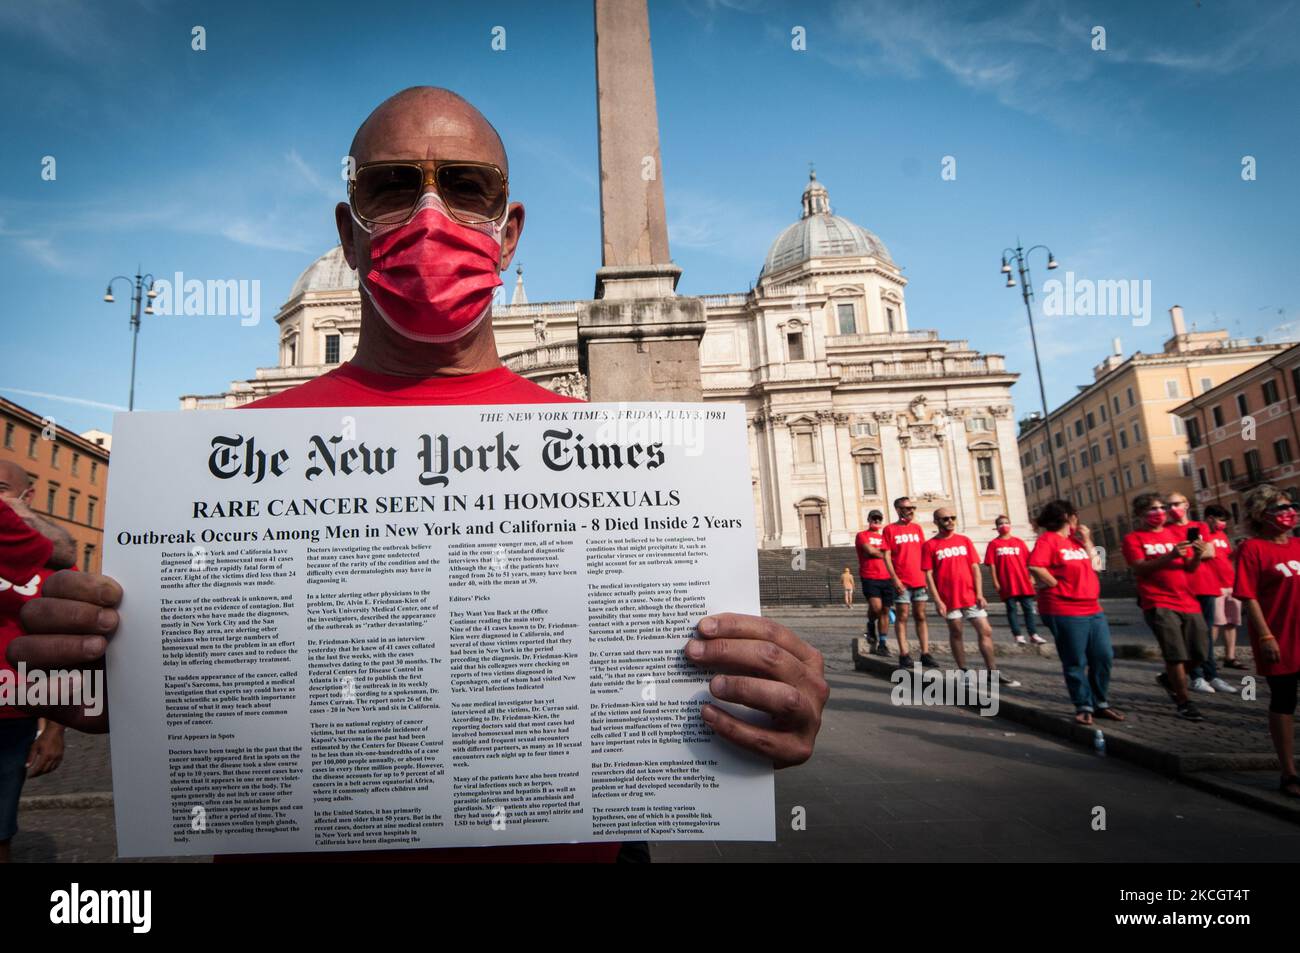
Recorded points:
(1223, 558)
(348, 386)
(1205, 580)
(1270, 573)
(1077, 586)
(903, 542)
(1168, 588)
(950, 558)
(1009, 557)
(23, 555)
(870, 567)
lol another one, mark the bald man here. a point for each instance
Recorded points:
(428, 226)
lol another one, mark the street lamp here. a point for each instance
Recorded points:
(143, 285)
(1027, 292)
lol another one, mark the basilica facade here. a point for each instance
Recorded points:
(848, 406)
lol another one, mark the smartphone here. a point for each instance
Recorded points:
(1193, 534)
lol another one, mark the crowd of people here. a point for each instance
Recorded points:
(1195, 585)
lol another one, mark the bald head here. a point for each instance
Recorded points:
(14, 481)
(428, 122)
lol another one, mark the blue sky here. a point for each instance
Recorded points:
(225, 163)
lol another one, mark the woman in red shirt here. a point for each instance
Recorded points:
(1268, 585)
(1061, 564)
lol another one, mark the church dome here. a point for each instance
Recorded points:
(329, 272)
(819, 234)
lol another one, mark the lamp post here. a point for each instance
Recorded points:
(1027, 292)
(143, 286)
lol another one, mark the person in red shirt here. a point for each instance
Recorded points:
(952, 576)
(1268, 585)
(1227, 610)
(31, 548)
(428, 264)
(1164, 561)
(902, 549)
(876, 584)
(1206, 588)
(1009, 558)
(1063, 568)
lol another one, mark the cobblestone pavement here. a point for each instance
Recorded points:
(909, 784)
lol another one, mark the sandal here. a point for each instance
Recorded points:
(1111, 713)
(1084, 718)
(1233, 663)
(1289, 781)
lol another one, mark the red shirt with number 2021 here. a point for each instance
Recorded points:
(1009, 557)
(1270, 573)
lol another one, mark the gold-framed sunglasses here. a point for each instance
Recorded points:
(386, 192)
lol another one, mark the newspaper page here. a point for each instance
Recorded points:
(388, 628)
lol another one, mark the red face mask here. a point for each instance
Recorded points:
(1004, 530)
(1284, 520)
(1154, 519)
(1176, 513)
(432, 278)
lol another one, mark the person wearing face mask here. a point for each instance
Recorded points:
(1268, 585)
(1163, 562)
(1009, 557)
(428, 226)
(1206, 587)
(876, 584)
(1068, 591)
(1227, 610)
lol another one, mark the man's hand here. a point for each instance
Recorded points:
(762, 665)
(70, 625)
(1269, 651)
(899, 587)
(47, 751)
(940, 608)
(983, 603)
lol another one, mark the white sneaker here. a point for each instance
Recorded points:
(1021, 640)
(1006, 681)
(1219, 685)
(1037, 639)
(1201, 685)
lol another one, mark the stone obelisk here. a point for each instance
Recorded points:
(637, 340)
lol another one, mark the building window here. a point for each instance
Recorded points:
(1253, 470)
(1063, 469)
(1128, 478)
(1177, 424)
(1270, 391)
(54, 455)
(1206, 384)
(91, 504)
(1078, 428)
(848, 324)
(87, 555)
(1137, 433)
(1114, 483)
(794, 343)
(94, 470)
(979, 424)
(1295, 380)
(1083, 460)
(1171, 388)
(76, 463)
(1123, 439)
(1060, 441)
(293, 353)
(867, 474)
(1243, 406)
(31, 445)
(1282, 449)
(1185, 465)
(1101, 489)
(1216, 413)
(1205, 480)
(9, 436)
(864, 428)
(1129, 391)
(50, 494)
(1115, 403)
(1142, 471)
(1092, 421)
(1096, 453)
(72, 505)
(984, 466)
(1110, 447)
(1236, 517)
(331, 349)
(1225, 470)
(804, 450)
(1102, 408)
(893, 325)
(1089, 489)
(1192, 427)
